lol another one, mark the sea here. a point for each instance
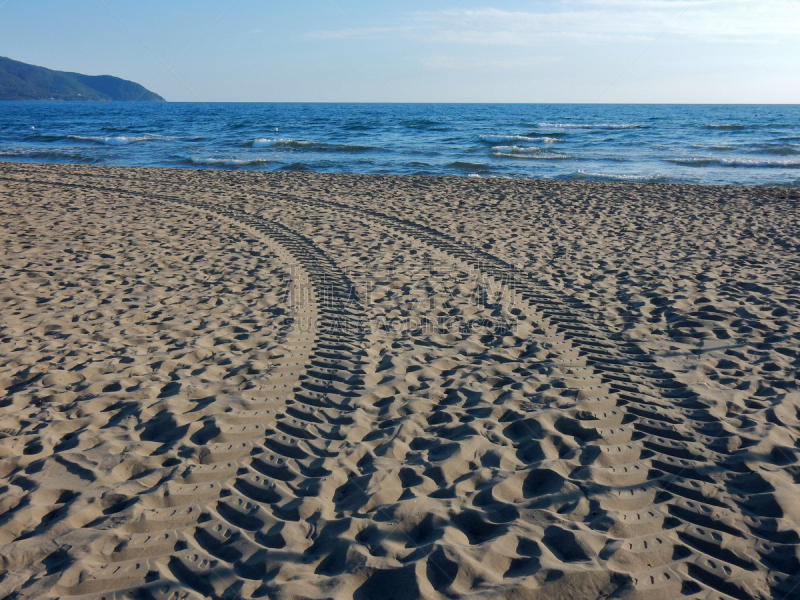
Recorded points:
(695, 144)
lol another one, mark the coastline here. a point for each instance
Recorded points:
(317, 385)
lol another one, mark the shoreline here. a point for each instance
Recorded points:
(443, 178)
(249, 383)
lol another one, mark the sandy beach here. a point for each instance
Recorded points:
(230, 384)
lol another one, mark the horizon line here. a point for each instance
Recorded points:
(401, 102)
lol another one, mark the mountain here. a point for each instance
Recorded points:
(20, 81)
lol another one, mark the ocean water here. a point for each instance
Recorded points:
(725, 144)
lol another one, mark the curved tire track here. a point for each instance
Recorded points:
(657, 417)
(647, 425)
(220, 524)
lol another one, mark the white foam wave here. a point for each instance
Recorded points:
(229, 162)
(592, 126)
(734, 162)
(515, 138)
(528, 152)
(731, 126)
(776, 164)
(620, 177)
(719, 148)
(114, 140)
(306, 145)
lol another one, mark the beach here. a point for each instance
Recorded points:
(234, 384)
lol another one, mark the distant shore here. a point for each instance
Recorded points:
(23, 82)
(269, 384)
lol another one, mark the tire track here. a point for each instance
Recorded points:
(642, 425)
(663, 417)
(261, 473)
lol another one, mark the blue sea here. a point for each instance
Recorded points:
(703, 144)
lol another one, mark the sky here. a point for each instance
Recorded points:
(583, 51)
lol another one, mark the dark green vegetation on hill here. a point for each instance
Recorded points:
(20, 81)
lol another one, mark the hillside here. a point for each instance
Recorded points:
(21, 81)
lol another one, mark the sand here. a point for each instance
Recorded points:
(310, 386)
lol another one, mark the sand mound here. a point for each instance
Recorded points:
(226, 384)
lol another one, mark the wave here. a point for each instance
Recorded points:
(306, 145)
(727, 126)
(44, 137)
(717, 148)
(48, 155)
(776, 149)
(279, 143)
(740, 163)
(225, 162)
(528, 152)
(115, 141)
(296, 166)
(470, 167)
(593, 126)
(550, 133)
(781, 150)
(595, 176)
(495, 139)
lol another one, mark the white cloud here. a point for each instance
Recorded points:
(591, 21)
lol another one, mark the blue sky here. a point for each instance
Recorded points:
(735, 51)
